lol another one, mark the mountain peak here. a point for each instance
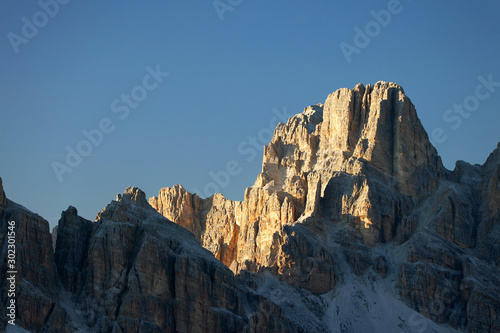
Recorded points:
(373, 127)
(131, 206)
(135, 194)
(71, 211)
(356, 159)
(352, 209)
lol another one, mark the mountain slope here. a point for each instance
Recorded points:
(353, 225)
(356, 180)
(132, 270)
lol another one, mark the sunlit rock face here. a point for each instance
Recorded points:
(353, 225)
(355, 181)
(132, 270)
(362, 159)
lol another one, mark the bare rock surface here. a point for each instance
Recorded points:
(36, 277)
(353, 225)
(132, 270)
(354, 186)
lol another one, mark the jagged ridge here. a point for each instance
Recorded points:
(340, 180)
(353, 211)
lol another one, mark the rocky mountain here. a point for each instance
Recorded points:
(353, 225)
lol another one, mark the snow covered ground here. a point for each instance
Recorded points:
(361, 307)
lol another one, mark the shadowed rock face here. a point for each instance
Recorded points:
(36, 276)
(71, 249)
(149, 272)
(132, 270)
(353, 211)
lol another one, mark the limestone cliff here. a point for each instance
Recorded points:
(132, 270)
(353, 225)
(36, 271)
(362, 158)
(356, 180)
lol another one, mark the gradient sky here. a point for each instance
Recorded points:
(227, 73)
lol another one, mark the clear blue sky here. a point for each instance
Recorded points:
(225, 78)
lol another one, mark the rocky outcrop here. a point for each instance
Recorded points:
(352, 225)
(132, 270)
(362, 158)
(36, 277)
(452, 261)
(340, 180)
(149, 272)
(488, 231)
(219, 235)
(72, 244)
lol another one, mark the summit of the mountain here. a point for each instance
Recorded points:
(353, 224)
(352, 186)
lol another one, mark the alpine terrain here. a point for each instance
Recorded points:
(353, 225)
